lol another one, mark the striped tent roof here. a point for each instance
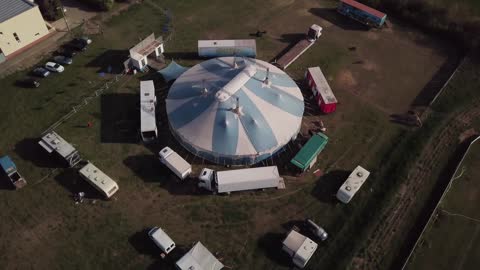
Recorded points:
(225, 107)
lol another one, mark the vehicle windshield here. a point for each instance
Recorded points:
(56, 66)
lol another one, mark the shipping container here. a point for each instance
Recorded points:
(362, 13)
(326, 100)
(233, 47)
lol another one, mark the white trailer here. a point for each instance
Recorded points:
(238, 180)
(299, 247)
(99, 180)
(52, 142)
(175, 163)
(148, 100)
(353, 183)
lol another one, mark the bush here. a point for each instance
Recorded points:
(50, 9)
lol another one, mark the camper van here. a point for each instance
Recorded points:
(161, 239)
(99, 180)
(353, 183)
(148, 100)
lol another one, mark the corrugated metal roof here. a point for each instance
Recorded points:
(365, 8)
(11, 8)
(310, 150)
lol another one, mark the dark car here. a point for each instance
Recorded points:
(41, 72)
(29, 82)
(67, 52)
(78, 44)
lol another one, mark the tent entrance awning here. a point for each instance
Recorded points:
(172, 71)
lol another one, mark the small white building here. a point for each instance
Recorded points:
(150, 47)
(299, 247)
(52, 142)
(99, 180)
(148, 122)
(353, 183)
(199, 258)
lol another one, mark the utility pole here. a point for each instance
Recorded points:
(64, 17)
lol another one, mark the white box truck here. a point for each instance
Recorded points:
(242, 179)
(299, 247)
(175, 163)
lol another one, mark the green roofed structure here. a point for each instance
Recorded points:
(307, 156)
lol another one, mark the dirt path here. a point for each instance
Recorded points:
(396, 215)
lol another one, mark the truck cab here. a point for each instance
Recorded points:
(206, 179)
(10, 169)
(314, 32)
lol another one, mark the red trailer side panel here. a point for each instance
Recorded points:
(365, 8)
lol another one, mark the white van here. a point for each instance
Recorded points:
(161, 239)
(175, 163)
(99, 180)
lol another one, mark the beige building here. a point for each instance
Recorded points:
(21, 24)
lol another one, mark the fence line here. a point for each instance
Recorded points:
(84, 103)
(447, 82)
(447, 188)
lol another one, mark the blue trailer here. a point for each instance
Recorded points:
(362, 13)
(10, 170)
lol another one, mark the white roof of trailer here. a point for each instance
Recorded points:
(300, 245)
(199, 258)
(147, 92)
(99, 178)
(147, 117)
(227, 43)
(240, 175)
(162, 238)
(53, 142)
(175, 159)
(322, 85)
(354, 181)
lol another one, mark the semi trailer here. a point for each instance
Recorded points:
(239, 180)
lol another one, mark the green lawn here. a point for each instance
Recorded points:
(41, 227)
(452, 238)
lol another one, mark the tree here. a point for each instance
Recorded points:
(50, 9)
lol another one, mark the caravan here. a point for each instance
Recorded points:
(148, 100)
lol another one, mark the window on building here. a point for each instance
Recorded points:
(16, 37)
(37, 34)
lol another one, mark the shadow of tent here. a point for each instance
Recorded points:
(327, 186)
(110, 61)
(331, 15)
(120, 118)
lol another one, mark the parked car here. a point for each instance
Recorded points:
(61, 59)
(87, 40)
(54, 67)
(67, 52)
(41, 72)
(29, 82)
(78, 44)
(316, 229)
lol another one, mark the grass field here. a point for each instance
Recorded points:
(42, 228)
(452, 238)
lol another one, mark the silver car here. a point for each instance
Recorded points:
(54, 67)
(316, 230)
(63, 60)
